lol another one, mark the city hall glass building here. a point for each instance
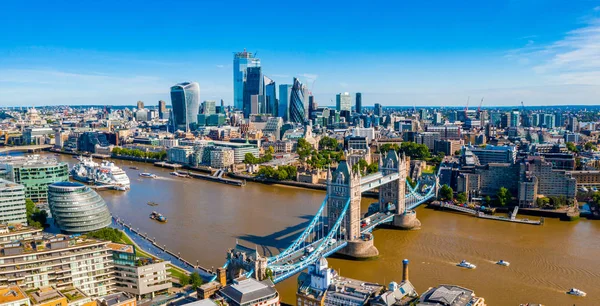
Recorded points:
(77, 208)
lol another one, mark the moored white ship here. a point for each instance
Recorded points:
(107, 173)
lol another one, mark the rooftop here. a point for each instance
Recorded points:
(248, 290)
(4, 184)
(11, 294)
(116, 298)
(44, 294)
(123, 248)
(30, 161)
(447, 295)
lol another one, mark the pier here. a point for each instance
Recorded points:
(480, 214)
(163, 164)
(216, 177)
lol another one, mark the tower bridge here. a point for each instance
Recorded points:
(338, 226)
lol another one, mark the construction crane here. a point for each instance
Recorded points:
(479, 108)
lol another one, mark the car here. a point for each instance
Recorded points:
(332, 241)
(363, 225)
(302, 258)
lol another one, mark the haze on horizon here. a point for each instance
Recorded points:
(404, 54)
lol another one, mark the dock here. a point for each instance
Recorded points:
(512, 218)
(216, 177)
(167, 165)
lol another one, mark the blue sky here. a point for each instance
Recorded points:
(542, 52)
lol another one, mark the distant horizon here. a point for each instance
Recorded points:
(400, 54)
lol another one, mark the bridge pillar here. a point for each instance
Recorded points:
(394, 193)
(343, 186)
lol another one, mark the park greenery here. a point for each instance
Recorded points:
(108, 234)
(365, 168)
(281, 173)
(249, 158)
(330, 152)
(572, 147)
(139, 153)
(35, 216)
(193, 279)
(413, 150)
(553, 202)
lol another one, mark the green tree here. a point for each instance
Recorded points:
(461, 197)
(184, 279)
(35, 216)
(328, 143)
(589, 146)
(269, 274)
(488, 200)
(249, 158)
(571, 147)
(195, 280)
(372, 168)
(446, 193)
(503, 197)
(271, 150)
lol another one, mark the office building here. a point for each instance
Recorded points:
(253, 86)
(180, 154)
(312, 106)
(140, 105)
(494, 154)
(250, 292)
(141, 277)
(36, 136)
(298, 108)
(209, 107)
(77, 208)
(162, 109)
(241, 61)
(273, 127)
(185, 102)
(573, 125)
(221, 157)
(343, 102)
(437, 118)
(12, 203)
(270, 97)
(428, 139)
(91, 141)
(285, 92)
(35, 173)
(60, 261)
(378, 110)
(358, 102)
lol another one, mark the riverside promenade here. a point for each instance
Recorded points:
(153, 248)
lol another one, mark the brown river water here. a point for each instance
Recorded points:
(206, 218)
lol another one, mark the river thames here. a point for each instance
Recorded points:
(206, 218)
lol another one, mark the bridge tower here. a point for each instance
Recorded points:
(343, 186)
(393, 192)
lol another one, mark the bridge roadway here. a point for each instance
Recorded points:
(24, 148)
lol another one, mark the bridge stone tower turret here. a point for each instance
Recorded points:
(393, 192)
(342, 186)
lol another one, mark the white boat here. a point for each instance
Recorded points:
(503, 263)
(109, 174)
(466, 264)
(576, 292)
(146, 174)
(106, 173)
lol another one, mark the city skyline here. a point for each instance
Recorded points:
(434, 54)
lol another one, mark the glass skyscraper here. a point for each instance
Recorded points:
(343, 102)
(298, 102)
(185, 101)
(285, 91)
(270, 96)
(358, 102)
(241, 61)
(253, 87)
